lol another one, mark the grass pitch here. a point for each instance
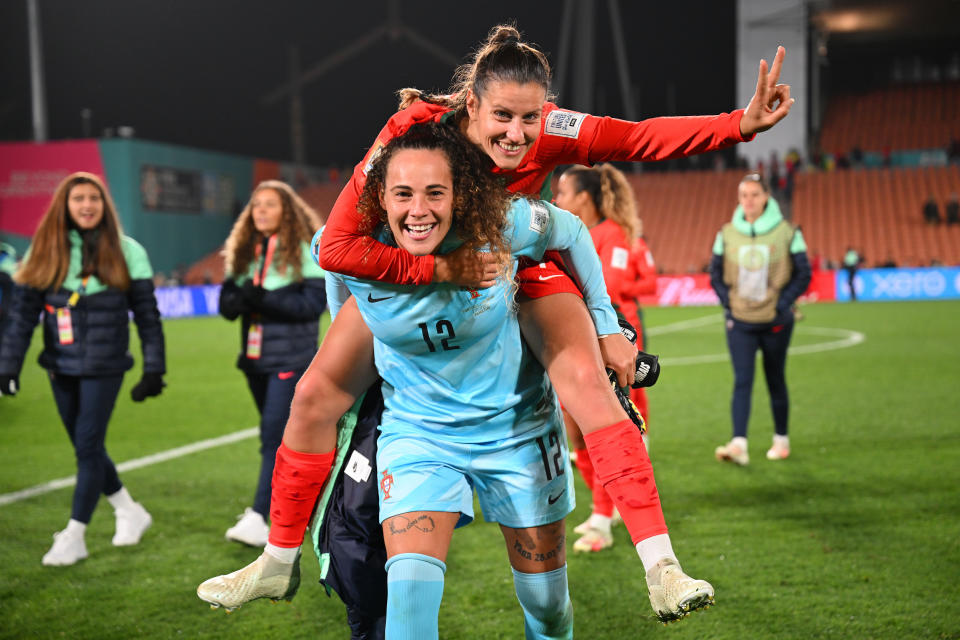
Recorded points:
(856, 535)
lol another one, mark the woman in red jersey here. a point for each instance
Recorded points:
(604, 200)
(500, 102)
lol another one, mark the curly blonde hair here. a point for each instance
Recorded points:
(298, 223)
(480, 202)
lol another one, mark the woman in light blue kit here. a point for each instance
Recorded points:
(467, 406)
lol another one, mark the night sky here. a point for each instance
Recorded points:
(193, 72)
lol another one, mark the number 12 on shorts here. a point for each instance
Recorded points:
(552, 452)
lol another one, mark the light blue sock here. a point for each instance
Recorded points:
(414, 591)
(547, 611)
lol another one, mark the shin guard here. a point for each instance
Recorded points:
(623, 468)
(297, 481)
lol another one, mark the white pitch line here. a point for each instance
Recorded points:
(685, 324)
(847, 337)
(137, 463)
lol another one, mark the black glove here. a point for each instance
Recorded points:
(9, 385)
(151, 384)
(252, 295)
(232, 304)
(648, 366)
(648, 370)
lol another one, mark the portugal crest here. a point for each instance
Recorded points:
(386, 483)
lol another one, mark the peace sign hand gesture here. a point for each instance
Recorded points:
(771, 103)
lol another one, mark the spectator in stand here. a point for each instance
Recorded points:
(83, 277)
(931, 211)
(277, 290)
(952, 209)
(953, 150)
(851, 262)
(759, 268)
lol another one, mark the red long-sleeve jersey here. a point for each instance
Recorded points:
(628, 268)
(566, 137)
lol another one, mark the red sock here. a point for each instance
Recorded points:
(297, 481)
(602, 503)
(623, 468)
(639, 397)
(585, 466)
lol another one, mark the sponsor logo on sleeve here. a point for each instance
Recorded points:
(564, 123)
(539, 216)
(619, 258)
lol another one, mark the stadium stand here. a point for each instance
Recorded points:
(899, 118)
(879, 211)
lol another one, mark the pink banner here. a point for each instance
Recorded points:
(695, 290)
(30, 173)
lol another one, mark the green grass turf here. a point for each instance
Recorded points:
(855, 536)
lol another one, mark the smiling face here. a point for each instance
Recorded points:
(505, 120)
(267, 209)
(85, 205)
(752, 198)
(418, 198)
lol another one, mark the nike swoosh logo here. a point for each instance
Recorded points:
(551, 499)
(370, 298)
(559, 275)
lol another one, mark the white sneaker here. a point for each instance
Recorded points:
(251, 529)
(594, 540)
(778, 451)
(265, 577)
(732, 453)
(132, 522)
(67, 549)
(674, 594)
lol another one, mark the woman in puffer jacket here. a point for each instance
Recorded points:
(85, 277)
(277, 290)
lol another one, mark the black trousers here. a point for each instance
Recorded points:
(743, 341)
(273, 393)
(85, 406)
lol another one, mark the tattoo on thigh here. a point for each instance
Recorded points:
(403, 524)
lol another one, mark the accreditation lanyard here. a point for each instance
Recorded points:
(255, 332)
(64, 316)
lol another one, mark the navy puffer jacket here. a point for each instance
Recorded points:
(287, 310)
(100, 320)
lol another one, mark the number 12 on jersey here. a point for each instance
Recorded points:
(443, 332)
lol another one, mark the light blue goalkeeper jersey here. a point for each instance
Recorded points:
(452, 359)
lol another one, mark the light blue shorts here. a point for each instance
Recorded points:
(522, 481)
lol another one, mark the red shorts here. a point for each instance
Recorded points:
(539, 279)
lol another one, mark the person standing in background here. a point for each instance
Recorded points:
(85, 277)
(8, 265)
(277, 290)
(602, 197)
(759, 268)
(851, 262)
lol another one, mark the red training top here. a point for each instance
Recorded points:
(566, 137)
